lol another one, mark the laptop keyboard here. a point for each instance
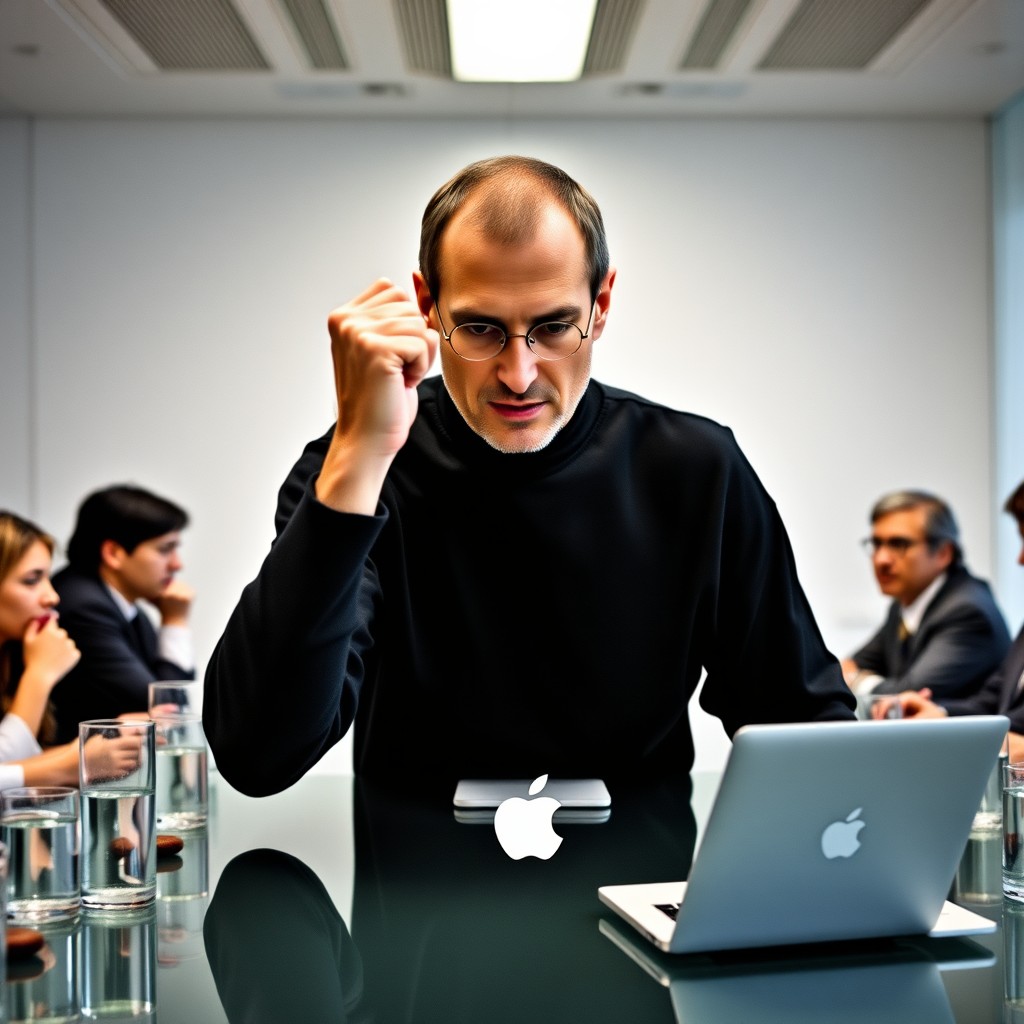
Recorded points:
(671, 909)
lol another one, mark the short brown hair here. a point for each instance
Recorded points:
(511, 211)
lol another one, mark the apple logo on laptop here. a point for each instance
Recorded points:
(840, 838)
(524, 827)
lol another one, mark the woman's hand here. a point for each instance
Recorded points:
(49, 652)
(49, 655)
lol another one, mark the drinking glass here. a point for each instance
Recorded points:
(39, 826)
(1013, 831)
(182, 800)
(118, 772)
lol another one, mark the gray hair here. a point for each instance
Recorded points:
(940, 525)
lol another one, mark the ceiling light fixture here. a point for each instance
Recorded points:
(519, 40)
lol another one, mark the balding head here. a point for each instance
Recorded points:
(505, 197)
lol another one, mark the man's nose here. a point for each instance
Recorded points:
(517, 364)
(176, 564)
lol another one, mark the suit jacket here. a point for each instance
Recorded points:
(1000, 695)
(119, 658)
(959, 644)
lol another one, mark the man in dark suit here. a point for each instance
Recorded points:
(1003, 692)
(943, 631)
(124, 551)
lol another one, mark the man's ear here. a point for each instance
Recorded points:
(112, 555)
(602, 304)
(424, 299)
(946, 553)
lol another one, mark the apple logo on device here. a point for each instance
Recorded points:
(524, 827)
(840, 838)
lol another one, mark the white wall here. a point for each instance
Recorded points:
(1008, 265)
(821, 287)
(16, 451)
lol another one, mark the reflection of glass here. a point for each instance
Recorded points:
(990, 813)
(182, 799)
(118, 822)
(40, 830)
(119, 964)
(45, 987)
(3, 899)
(1013, 961)
(182, 887)
(979, 876)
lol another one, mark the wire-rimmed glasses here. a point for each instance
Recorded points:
(553, 340)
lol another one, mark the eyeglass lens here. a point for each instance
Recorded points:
(897, 545)
(554, 340)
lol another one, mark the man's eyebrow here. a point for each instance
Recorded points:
(467, 315)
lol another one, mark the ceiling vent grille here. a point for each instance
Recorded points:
(714, 33)
(615, 23)
(423, 25)
(317, 34)
(190, 35)
(839, 34)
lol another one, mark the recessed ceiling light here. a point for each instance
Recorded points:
(519, 40)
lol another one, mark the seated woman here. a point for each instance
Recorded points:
(35, 653)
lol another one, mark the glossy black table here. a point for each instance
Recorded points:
(336, 901)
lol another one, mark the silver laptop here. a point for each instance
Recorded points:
(828, 831)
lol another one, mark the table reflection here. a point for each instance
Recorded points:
(445, 927)
(417, 917)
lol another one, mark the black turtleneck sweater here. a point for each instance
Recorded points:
(515, 615)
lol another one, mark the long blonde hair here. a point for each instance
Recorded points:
(17, 535)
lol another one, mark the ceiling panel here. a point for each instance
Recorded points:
(389, 58)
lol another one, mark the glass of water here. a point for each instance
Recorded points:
(182, 799)
(117, 767)
(39, 826)
(1013, 831)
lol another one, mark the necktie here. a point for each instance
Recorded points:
(904, 635)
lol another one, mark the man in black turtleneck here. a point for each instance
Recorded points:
(512, 570)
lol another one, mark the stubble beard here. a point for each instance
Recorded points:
(508, 441)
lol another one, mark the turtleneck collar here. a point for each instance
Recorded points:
(467, 446)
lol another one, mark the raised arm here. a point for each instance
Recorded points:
(283, 683)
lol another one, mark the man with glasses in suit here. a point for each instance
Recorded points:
(943, 630)
(1003, 691)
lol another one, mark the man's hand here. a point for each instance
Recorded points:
(918, 704)
(382, 348)
(115, 757)
(1016, 747)
(175, 603)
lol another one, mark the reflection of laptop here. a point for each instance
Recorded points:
(582, 801)
(827, 831)
(900, 981)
